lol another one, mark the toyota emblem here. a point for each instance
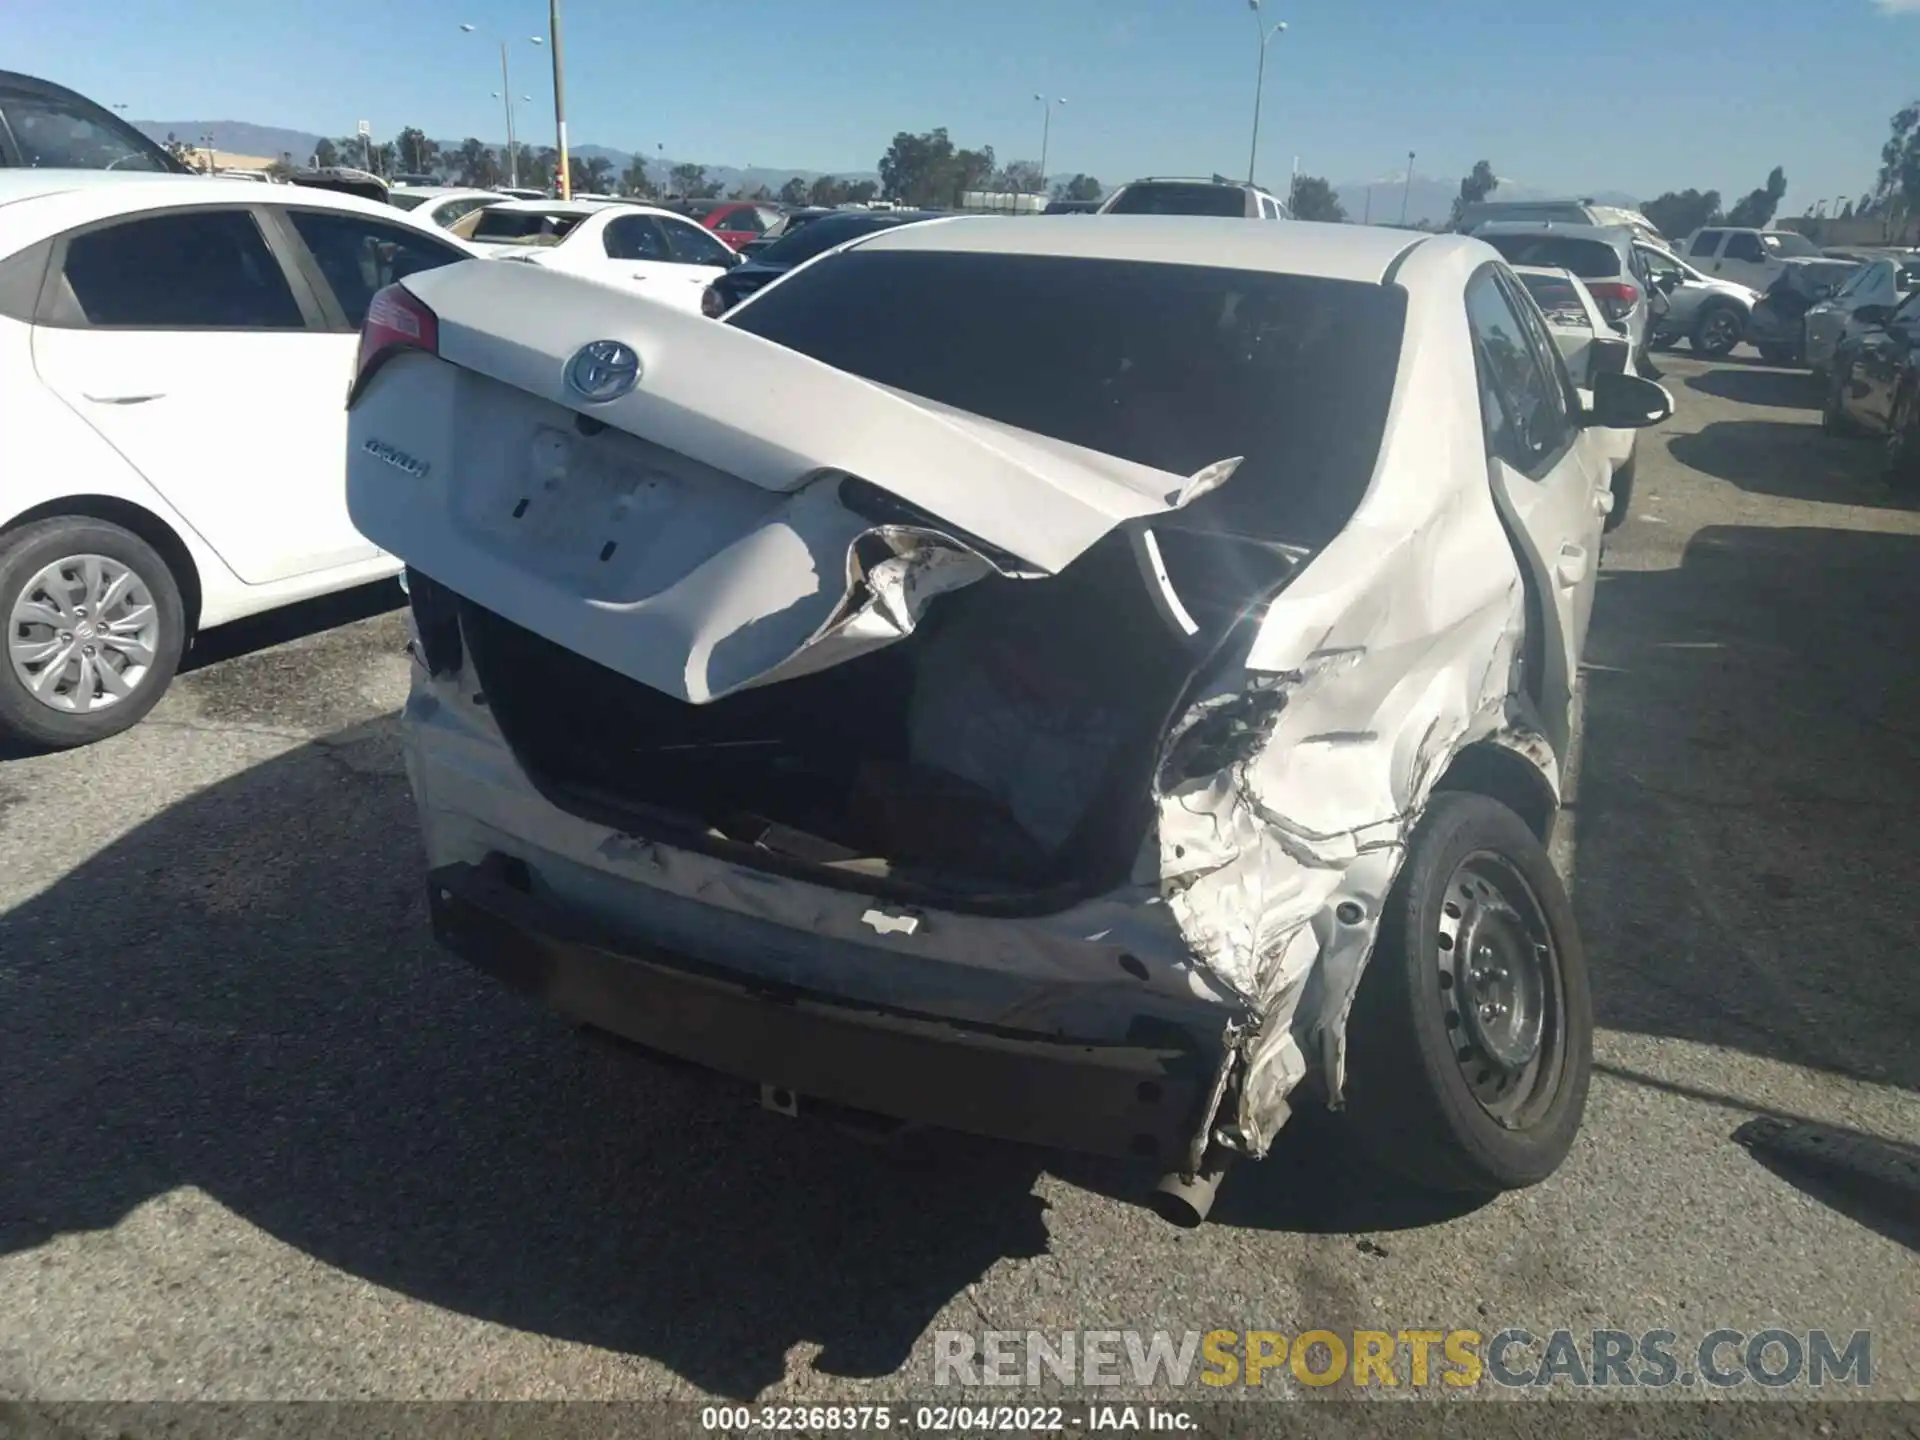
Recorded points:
(602, 371)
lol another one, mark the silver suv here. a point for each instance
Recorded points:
(1601, 255)
(1161, 195)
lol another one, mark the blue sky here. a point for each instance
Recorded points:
(1632, 95)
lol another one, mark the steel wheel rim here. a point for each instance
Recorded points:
(83, 634)
(1501, 993)
(1718, 328)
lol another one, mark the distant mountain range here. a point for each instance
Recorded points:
(1426, 199)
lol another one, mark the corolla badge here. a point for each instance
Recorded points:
(399, 459)
(603, 370)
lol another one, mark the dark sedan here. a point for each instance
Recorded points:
(802, 245)
(1874, 385)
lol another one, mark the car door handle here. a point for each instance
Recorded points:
(1572, 568)
(140, 399)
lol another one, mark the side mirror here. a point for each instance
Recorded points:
(1627, 402)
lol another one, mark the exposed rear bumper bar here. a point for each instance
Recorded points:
(1145, 1100)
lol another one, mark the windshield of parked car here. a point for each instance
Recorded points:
(821, 236)
(1589, 259)
(524, 227)
(59, 134)
(1163, 197)
(406, 202)
(1785, 242)
(1172, 366)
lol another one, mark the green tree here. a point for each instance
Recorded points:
(858, 192)
(538, 169)
(1021, 177)
(1081, 188)
(476, 164)
(926, 170)
(690, 181)
(794, 192)
(826, 190)
(1678, 214)
(1478, 184)
(634, 181)
(324, 153)
(1898, 186)
(417, 154)
(1315, 199)
(593, 175)
(1757, 209)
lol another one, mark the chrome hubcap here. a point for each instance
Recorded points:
(83, 634)
(1500, 990)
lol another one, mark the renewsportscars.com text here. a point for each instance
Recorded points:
(1384, 1359)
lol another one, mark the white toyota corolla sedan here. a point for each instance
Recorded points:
(1072, 687)
(174, 356)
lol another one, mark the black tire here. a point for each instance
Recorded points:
(24, 553)
(1409, 1101)
(1833, 414)
(1717, 329)
(1622, 487)
(1902, 469)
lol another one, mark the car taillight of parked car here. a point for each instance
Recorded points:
(712, 303)
(1616, 297)
(397, 320)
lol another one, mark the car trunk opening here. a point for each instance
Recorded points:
(1003, 752)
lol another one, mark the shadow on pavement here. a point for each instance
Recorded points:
(1792, 460)
(1749, 809)
(276, 627)
(312, 1062)
(1782, 389)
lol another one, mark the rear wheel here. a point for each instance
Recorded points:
(1902, 470)
(95, 629)
(1718, 330)
(1470, 1044)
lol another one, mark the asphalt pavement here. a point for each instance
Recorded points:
(259, 1139)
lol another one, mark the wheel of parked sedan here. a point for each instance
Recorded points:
(94, 631)
(1833, 411)
(1470, 1043)
(1902, 470)
(1718, 330)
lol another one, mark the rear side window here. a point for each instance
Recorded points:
(523, 227)
(1589, 259)
(359, 257)
(1705, 242)
(56, 134)
(1172, 366)
(1744, 247)
(1523, 401)
(746, 219)
(634, 237)
(206, 270)
(693, 245)
(1163, 197)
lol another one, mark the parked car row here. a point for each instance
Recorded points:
(1873, 384)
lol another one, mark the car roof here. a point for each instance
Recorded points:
(1338, 252)
(37, 203)
(1612, 234)
(436, 192)
(560, 207)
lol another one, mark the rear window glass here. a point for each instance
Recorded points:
(1172, 366)
(1557, 298)
(1160, 197)
(60, 134)
(1589, 259)
(524, 227)
(819, 236)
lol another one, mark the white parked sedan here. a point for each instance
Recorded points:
(652, 252)
(441, 205)
(1075, 733)
(174, 352)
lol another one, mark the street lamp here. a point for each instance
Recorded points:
(505, 95)
(1406, 194)
(1046, 134)
(1259, 84)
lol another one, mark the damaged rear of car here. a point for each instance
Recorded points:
(1025, 733)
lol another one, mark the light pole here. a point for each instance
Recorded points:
(559, 102)
(1046, 135)
(1406, 194)
(1260, 83)
(505, 95)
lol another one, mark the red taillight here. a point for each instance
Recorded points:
(1617, 295)
(397, 319)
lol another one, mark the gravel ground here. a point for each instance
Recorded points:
(262, 1141)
